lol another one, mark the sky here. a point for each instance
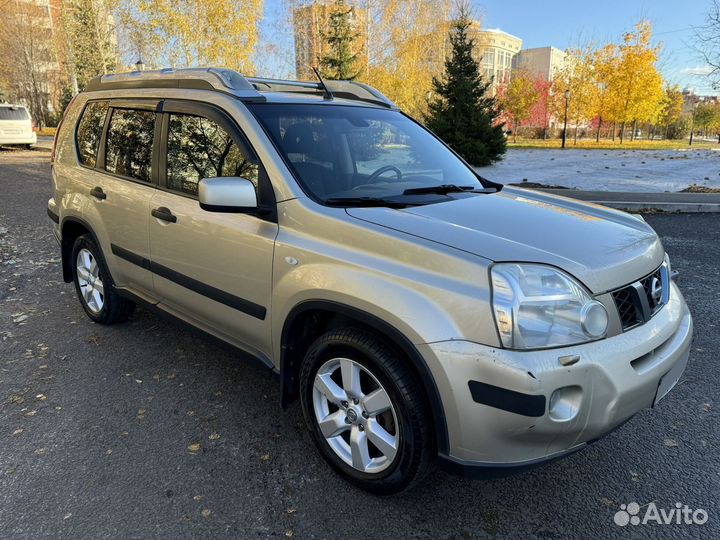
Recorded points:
(562, 24)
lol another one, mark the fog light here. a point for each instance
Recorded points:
(565, 403)
(594, 319)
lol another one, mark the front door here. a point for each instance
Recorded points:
(213, 268)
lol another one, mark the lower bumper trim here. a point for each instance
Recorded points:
(480, 470)
(507, 400)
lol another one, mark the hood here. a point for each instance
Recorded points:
(601, 247)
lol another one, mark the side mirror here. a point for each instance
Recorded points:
(227, 194)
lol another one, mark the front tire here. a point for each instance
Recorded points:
(366, 411)
(94, 284)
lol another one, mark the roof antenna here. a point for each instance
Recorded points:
(326, 93)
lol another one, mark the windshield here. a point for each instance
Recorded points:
(340, 152)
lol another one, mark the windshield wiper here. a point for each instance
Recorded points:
(364, 201)
(447, 188)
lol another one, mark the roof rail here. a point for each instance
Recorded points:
(343, 89)
(223, 80)
(231, 82)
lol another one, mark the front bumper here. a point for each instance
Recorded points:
(507, 419)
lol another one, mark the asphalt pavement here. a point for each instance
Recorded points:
(149, 430)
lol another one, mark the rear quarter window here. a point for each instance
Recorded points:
(89, 131)
(14, 113)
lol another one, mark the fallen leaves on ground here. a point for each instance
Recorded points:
(214, 436)
(17, 432)
(265, 458)
(670, 443)
(194, 448)
(206, 513)
(40, 452)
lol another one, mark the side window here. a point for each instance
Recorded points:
(89, 131)
(199, 148)
(130, 143)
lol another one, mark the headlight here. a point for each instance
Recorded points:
(538, 306)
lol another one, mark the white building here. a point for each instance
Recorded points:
(542, 62)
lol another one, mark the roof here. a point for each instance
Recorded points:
(244, 88)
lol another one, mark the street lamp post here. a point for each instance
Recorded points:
(692, 123)
(140, 65)
(567, 99)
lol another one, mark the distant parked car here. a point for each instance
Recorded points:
(16, 126)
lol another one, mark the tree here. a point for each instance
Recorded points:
(90, 39)
(670, 108)
(578, 76)
(707, 117)
(407, 42)
(637, 84)
(29, 67)
(340, 62)
(463, 113)
(707, 39)
(186, 33)
(518, 97)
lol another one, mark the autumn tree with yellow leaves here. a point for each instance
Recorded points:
(579, 76)
(635, 85)
(186, 33)
(408, 40)
(517, 98)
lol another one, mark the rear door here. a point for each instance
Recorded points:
(214, 268)
(120, 182)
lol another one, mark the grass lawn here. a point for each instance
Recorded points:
(590, 144)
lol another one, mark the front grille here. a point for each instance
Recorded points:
(639, 301)
(626, 308)
(647, 283)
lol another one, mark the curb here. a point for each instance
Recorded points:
(684, 203)
(680, 208)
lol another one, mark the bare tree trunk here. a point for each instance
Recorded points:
(622, 132)
(614, 127)
(597, 133)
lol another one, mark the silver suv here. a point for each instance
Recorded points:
(420, 313)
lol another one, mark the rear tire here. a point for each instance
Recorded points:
(366, 411)
(94, 284)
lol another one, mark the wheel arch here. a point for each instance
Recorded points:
(323, 314)
(71, 228)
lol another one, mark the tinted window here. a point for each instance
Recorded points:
(200, 148)
(89, 131)
(14, 113)
(130, 143)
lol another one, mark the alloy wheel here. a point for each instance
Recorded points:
(92, 289)
(356, 415)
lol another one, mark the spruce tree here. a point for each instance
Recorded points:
(462, 112)
(339, 62)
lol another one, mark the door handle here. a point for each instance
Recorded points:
(164, 214)
(98, 193)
